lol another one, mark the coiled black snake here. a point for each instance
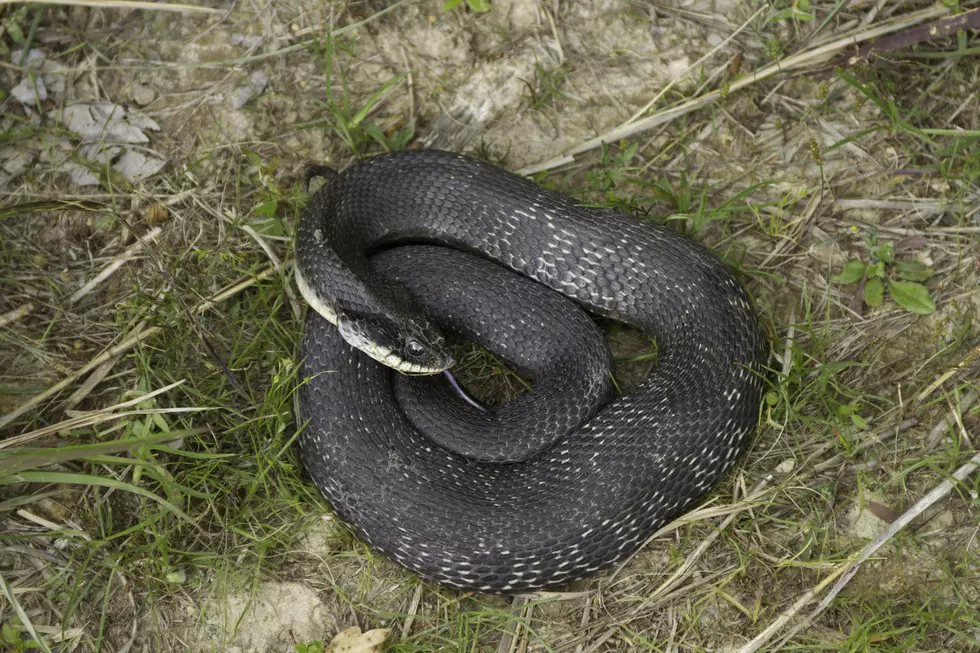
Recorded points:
(470, 508)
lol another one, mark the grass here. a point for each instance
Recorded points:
(148, 478)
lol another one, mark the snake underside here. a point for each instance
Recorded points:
(505, 508)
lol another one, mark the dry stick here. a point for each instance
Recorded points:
(586, 615)
(853, 566)
(639, 114)
(94, 379)
(507, 641)
(628, 129)
(129, 255)
(278, 265)
(747, 503)
(222, 295)
(730, 512)
(972, 357)
(15, 314)
(18, 609)
(413, 609)
(939, 29)
(850, 568)
(966, 402)
(791, 612)
(117, 4)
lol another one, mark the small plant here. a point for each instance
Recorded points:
(12, 637)
(476, 5)
(547, 88)
(799, 10)
(902, 277)
(350, 123)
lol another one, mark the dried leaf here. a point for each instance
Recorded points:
(882, 512)
(910, 242)
(353, 641)
(257, 82)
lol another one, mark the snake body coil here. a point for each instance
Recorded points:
(470, 508)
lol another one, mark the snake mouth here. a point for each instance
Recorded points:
(390, 358)
(434, 363)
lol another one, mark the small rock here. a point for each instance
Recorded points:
(30, 92)
(786, 466)
(143, 94)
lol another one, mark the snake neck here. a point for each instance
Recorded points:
(334, 275)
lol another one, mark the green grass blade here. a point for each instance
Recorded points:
(86, 479)
(17, 461)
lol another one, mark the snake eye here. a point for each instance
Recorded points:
(414, 349)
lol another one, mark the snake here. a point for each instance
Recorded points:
(401, 255)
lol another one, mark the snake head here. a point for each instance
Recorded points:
(411, 346)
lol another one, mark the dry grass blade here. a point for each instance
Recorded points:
(131, 252)
(128, 343)
(121, 4)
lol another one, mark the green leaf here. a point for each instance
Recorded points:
(873, 292)
(886, 252)
(913, 270)
(852, 272)
(9, 634)
(479, 5)
(451, 4)
(176, 577)
(375, 132)
(373, 100)
(858, 421)
(12, 461)
(913, 296)
(868, 91)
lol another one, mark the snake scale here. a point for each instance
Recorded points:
(486, 502)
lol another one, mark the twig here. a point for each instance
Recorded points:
(935, 30)
(972, 358)
(15, 314)
(507, 641)
(412, 611)
(118, 4)
(853, 566)
(696, 65)
(965, 403)
(94, 379)
(81, 419)
(847, 570)
(235, 289)
(128, 255)
(18, 609)
(689, 561)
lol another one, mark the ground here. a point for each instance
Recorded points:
(150, 170)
